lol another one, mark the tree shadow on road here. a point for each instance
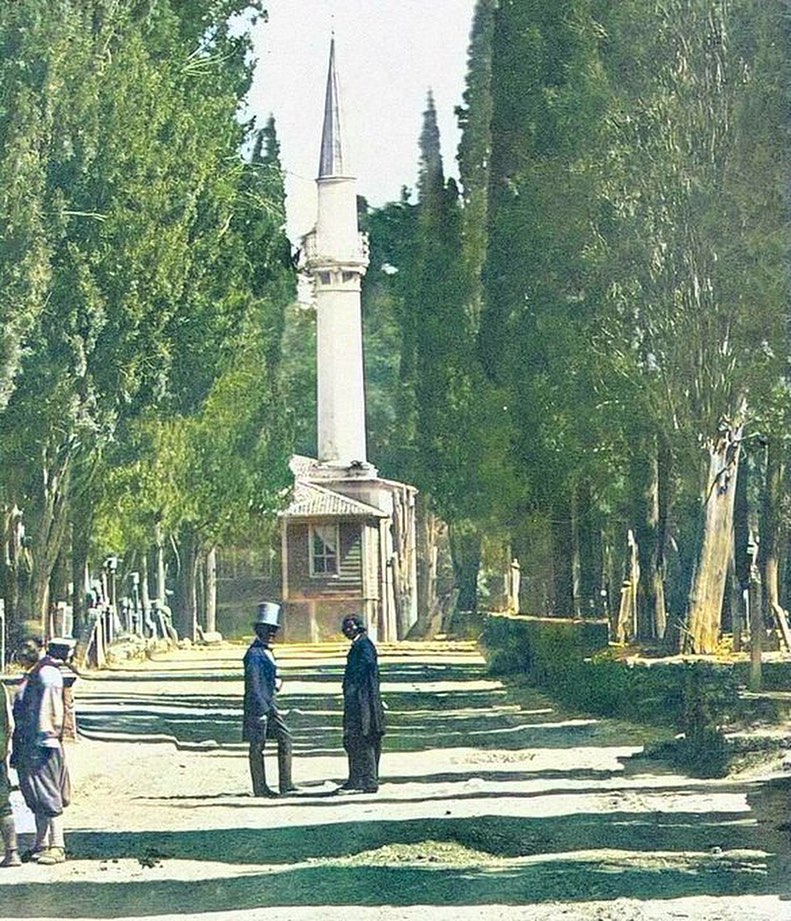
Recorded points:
(416, 722)
(499, 836)
(305, 866)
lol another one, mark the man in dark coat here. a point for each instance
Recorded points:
(261, 719)
(363, 713)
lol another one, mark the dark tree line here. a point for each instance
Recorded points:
(593, 327)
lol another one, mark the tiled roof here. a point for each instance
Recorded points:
(301, 466)
(312, 501)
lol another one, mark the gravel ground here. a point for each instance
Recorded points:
(490, 808)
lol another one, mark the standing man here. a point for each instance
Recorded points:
(37, 751)
(262, 720)
(11, 856)
(363, 713)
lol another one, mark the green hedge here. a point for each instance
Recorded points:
(571, 661)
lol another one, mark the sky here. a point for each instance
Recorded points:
(389, 53)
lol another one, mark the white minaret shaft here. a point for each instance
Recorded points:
(336, 257)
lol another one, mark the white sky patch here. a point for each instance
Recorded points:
(389, 53)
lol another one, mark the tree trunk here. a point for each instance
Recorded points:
(149, 625)
(80, 546)
(49, 534)
(13, 567)
(185, 613)
(405, 563)
(626, 621)
(756, 620)
(735, 603)
(563, 602)
(610, 581)
(708, 584)
(59, 583)
(145, 588)
(428, 613)
(589, 552)
(576, 608)
(465, 548)
(211, 590)
(159, 535)
(649, 480)
(771, 529)
(741, 557)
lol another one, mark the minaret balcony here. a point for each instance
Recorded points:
(315, 257)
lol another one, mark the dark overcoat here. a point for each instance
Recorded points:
(363, 713)
(260, 677)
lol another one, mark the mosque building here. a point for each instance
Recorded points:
(348, 535)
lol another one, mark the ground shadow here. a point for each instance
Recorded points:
(417, 884)
(500, 836)
(313, 864)
(416, 722)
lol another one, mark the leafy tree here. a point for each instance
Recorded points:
(147, 284)
(542, 291)
(227, 449)
(694, 328)
(475, 150)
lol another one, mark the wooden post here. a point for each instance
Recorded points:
(756, 621)
(624, 611)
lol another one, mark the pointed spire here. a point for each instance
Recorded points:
(331, 162)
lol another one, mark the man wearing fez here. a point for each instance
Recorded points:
(363, 713)
(37, 750)
(262, 720)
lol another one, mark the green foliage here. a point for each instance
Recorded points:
(631, 278)
(695, 698)
(475, 147)
(440, 409)
(147, 266)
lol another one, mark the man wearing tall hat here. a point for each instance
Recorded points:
(262, 720)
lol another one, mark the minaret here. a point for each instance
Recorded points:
(336, 257)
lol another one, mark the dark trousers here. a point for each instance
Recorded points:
(364, 753)
(272, 727)
(44, 781)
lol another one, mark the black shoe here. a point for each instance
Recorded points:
(32, 855)
(370, 789)
(266, 793)
(348, 785)
(284, 791)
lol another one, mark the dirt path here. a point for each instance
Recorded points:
(492, 806)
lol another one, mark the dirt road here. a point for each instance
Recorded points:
(493, 805)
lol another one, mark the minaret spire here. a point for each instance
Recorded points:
(331, 161)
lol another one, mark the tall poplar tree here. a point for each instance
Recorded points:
(542, 290)
(704, 346)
